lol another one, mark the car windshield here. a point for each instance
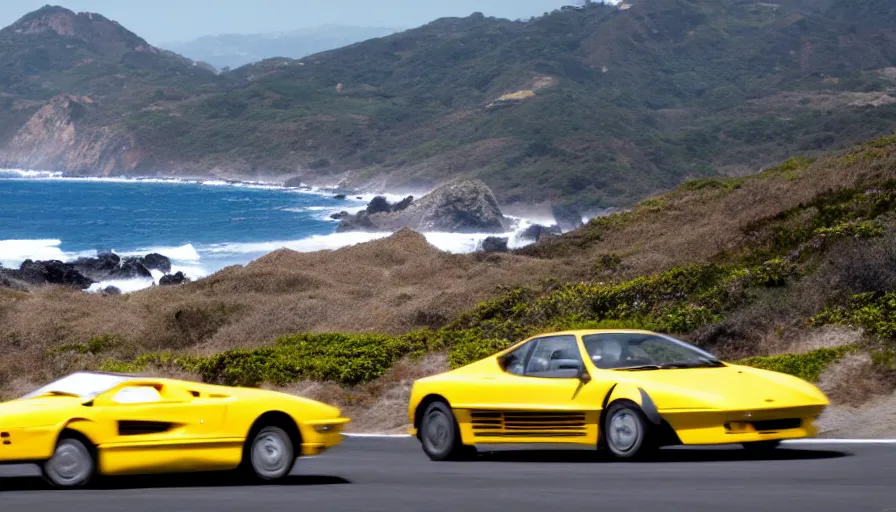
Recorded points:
(82, 384)
(642, 351)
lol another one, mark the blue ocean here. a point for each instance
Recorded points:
(202, 226)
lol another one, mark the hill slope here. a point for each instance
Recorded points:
(595, 105)
(792, 269)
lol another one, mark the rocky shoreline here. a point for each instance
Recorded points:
(83, 273)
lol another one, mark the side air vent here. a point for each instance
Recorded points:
(140, 428)
(528, 424)
(194, 393)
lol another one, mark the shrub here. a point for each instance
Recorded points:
(808, 366)
(874, 312)
(470, 351)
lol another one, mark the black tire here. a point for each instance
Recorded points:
(270, 454)
(440, 435)
(73, 464)
(761, 447)
(627, 435)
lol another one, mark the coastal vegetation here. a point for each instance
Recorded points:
(792, 269)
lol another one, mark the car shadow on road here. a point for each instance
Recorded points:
(662, 456)
(190, 480)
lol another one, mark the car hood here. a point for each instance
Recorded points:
(732, 387)
(35, 412)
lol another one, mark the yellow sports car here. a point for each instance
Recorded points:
(622, 391)
(90, 423)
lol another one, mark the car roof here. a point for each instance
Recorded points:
(583, 332)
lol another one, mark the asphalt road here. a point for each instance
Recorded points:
(394, 475)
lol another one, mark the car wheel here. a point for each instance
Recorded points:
(440, 435)
(761, 447)
(71, 466)
(272, 454)
(626, 431)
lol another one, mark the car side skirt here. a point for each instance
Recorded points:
(149, 458)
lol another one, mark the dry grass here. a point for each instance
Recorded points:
(855, 380)
(692, 226)
(391, 285)
(401, 283)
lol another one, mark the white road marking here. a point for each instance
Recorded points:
(840, 441)
(788, 441)
(379, 436)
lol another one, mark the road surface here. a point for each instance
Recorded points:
(369, 474)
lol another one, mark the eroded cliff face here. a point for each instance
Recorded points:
(55, 139)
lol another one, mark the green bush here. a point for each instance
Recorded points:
(808, 366)
(852, 229)
(470, 351)
(874, 312)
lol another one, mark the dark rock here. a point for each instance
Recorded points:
(339, 196)
(359, 197)
(537, 232)
(294, 182)
(567, 217)
(131, 268)
(340, 215)
(403, 204)
(379, 204)
(173, 279)
(155, 261)
(466, 206)
(495, 244)
(111, 290)
(98, 268)
(51, 272)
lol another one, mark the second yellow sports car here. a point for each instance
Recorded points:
(622, 391)
(98, 423)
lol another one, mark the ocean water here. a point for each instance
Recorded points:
(202, 226)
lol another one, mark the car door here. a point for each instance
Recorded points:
(154, 426)
(540, 396)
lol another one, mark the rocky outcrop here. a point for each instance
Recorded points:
(47, 272)
(494, 244)
(174, 279)
(132, 268)
(567, 217)
(466, 206)
(156, 261)
(84, 272)
(54, 138)
(537, 232)
(107, 265)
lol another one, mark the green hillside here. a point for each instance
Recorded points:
(595, 105)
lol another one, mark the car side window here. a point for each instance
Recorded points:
(515, 362)
(554, 357)
(137, 395)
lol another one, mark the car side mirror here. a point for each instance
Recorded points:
(584, 376)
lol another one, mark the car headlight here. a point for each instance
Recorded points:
(326, 428)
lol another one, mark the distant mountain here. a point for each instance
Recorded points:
(596, 105)
(235, 50)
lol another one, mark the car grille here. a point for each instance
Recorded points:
(765, 425)
(785, 424)
(528, 424)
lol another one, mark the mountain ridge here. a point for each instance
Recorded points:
(596, 105)
(229, 51)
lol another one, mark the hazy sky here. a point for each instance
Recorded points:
(160, 21)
